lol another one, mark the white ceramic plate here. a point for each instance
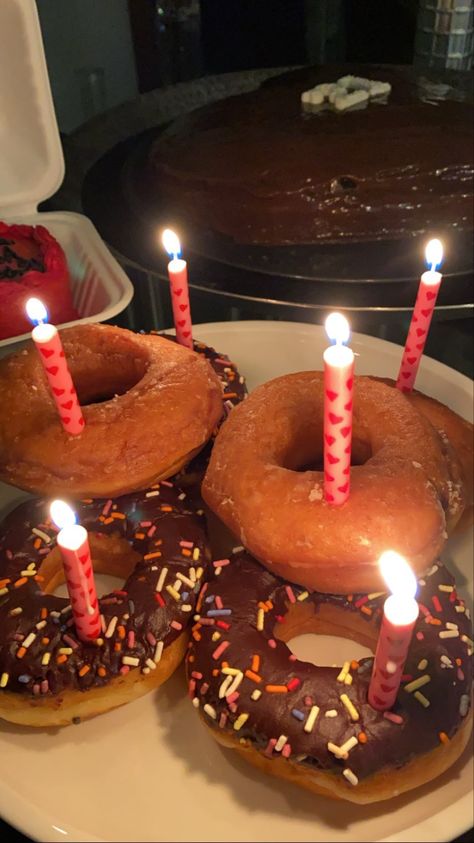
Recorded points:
(149, 771)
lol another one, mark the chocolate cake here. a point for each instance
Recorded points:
(260, 169)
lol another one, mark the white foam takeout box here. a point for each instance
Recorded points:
(32, 170)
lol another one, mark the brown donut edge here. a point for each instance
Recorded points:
(385, 784)
(460, 435)
(74, 706)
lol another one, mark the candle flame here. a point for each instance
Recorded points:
(337, 328)
(36, 311)
(171, 243)
(434, 253)
(397, 574)
(62, 514)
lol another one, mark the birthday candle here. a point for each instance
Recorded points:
(428, 290)
(51, 353)
(73, 543)
(178, 275)
(399, 617)
(338, 388)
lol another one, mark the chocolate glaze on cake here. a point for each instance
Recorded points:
(272, 694)
(138, 620)
(259, 169)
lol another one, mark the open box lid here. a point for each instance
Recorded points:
(31, 158)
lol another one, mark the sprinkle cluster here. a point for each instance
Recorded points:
(39, 650)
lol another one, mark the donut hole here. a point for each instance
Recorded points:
(327, 636)
(107, 376)
(112, 556)
(304, 461)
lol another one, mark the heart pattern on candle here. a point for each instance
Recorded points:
(80, 580)
(60, 382)
(419, 327)
(181, 309)
(338, 388)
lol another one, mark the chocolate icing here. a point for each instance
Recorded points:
(237, 593)
(13, 264)
(136, 605)
(258, 168)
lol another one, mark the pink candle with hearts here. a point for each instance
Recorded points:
(399, 617)
(178, 275)
(73, 543)
(428, 290)
(338, 388)
(50, 350)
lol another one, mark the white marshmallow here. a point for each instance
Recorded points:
(325, 88)
(355, 83)
(351, 100)
(312, 97)
(338, 91)
(379, 89)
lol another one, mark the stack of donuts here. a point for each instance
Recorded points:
(307, 566)
(150, 407)
(159, 419)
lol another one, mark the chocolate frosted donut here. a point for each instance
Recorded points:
(47, 675)
(311, 724)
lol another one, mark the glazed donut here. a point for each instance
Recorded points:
(48, 677)
(401, 484)
(313, 725)
(456, 432)
(161, 404)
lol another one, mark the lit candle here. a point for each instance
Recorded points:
(400, 613)
(50, 349)
(428, 290)
(178, 275)
(74, 546)
(338, 389)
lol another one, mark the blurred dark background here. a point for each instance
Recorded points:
(102, 54)
(216, 37)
